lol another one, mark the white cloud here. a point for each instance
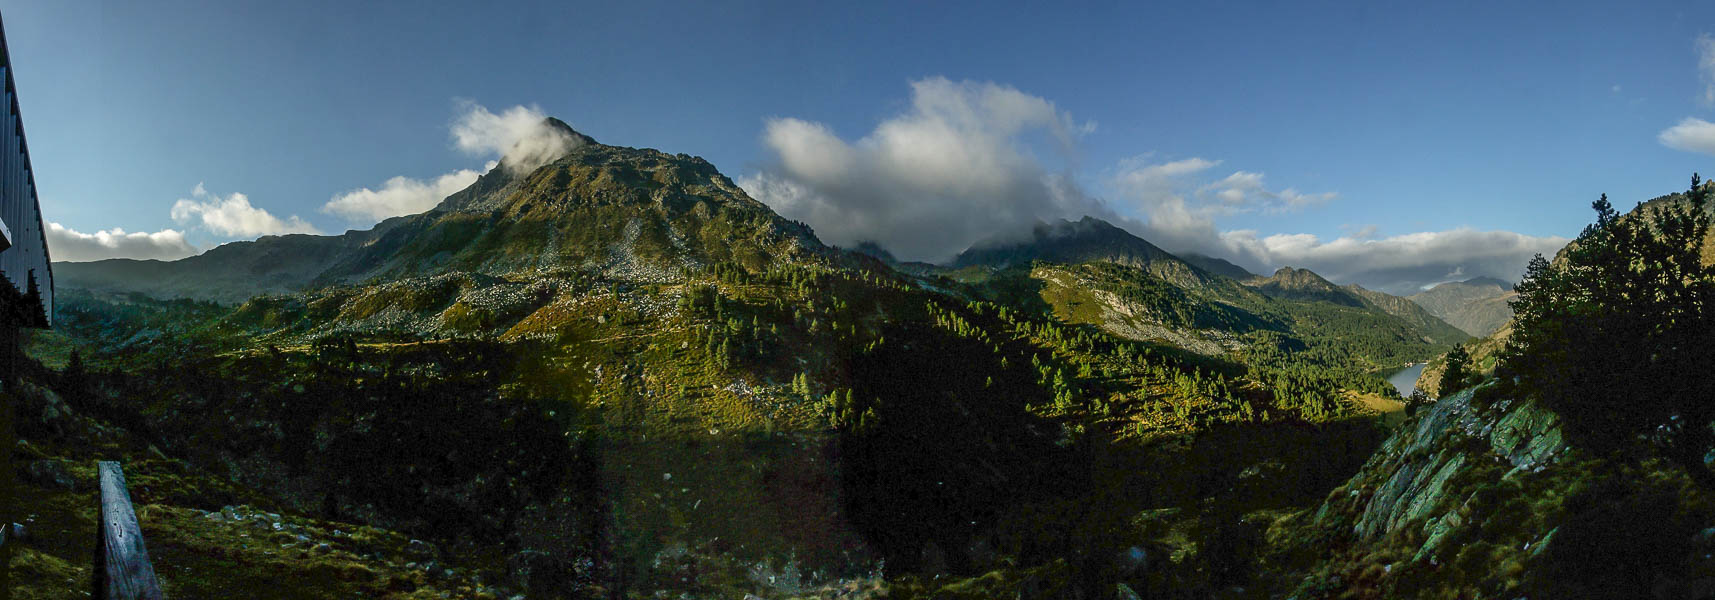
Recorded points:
(399, 196)
(1136, 172)
(70, 245)
(521, 136)
(1156, 191)
(1244, 191)
(233, 216)
(1397, 264)
(1706, 67)
(1363, 232)
(1181, 215)
(1691, 135)
(1236, 188)
(952, 169)
(1290, 199)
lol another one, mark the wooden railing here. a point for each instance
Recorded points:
(122, 568)
(5, 560)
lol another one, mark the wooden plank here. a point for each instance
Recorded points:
(5, 561)
(124, 571)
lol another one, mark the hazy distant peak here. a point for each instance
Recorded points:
(1084, 226)
(1057, 229)
(1485, 281)
(1478, 305)
(875, 250)
(1083, 240)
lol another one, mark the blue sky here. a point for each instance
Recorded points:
(1364, 122)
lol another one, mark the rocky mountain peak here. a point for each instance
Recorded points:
(555, 124)
(1303, 284)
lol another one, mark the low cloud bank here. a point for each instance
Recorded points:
(954, 168)
(1400, 264)
(399, 196)
(1181, 215)
(70, 245)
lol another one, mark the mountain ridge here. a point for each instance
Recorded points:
(1086, 240)
(1292, 283)
(640, 210)
(1218, 266)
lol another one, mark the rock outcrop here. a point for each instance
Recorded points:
(1481, 496)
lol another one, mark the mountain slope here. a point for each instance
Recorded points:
(1092, 272)
(635, 212)
(228, 273)
(1477, 306)
(1304, 285)
(1217, 266)
(1408, 311)
(1674, 198)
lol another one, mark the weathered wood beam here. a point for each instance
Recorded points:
(123, 570)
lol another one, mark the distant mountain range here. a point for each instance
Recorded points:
(642, 216)
(1477, 306)
(646, 216)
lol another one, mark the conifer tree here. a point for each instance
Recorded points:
(1614, 336)
(1458, 374)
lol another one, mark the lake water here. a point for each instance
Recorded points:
(1406, 379)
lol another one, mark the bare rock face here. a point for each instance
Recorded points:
(1412, 475)
(1480, 474)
